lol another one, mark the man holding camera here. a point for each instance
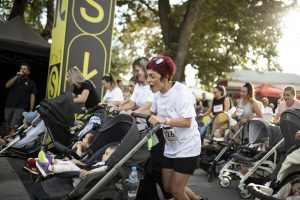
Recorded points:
(21, 97)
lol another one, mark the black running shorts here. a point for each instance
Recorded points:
(181, 165)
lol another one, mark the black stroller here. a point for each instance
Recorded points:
(55, 118)
(121, 129)
(288, 171)
(58, 116)
(218, 152)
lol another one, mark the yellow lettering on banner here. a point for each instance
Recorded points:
(53, 82)
(86, 73)
(88, 18)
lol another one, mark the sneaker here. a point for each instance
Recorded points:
(44, 157)
(43, 168)
(30, 166)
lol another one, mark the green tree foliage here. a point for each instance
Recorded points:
(235, 34)
(214, 36)
(228, 34)
(34, 13)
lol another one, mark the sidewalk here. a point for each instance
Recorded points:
(11, 186)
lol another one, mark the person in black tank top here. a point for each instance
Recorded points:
(219, 105)
(84, 91)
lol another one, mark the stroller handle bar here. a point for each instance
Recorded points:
(140, 115)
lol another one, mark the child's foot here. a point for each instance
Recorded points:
(31, 166)
(43, 168)
(44, 157)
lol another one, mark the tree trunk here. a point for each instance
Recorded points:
(168, 27)
(46, 33)
(176, 39)
(18, 9)
(185, 34)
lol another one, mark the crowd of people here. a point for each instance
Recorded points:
(170, 103)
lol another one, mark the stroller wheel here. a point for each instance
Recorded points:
(225, 183)
(245, 194)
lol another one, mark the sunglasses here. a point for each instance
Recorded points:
(157, 60)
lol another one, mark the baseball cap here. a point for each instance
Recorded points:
(29, 116)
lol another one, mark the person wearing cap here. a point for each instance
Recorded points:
(173, 108)
(142, 97)
(21, 97)
(28, 118)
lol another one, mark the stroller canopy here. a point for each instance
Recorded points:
(258, 130)
(290, 124)
(59, 110)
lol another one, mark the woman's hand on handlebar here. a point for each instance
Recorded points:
(127, 112)
(112, 109)
(153, 120)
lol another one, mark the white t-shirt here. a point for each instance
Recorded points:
(268, 110)
(178, 103)
(115, 94)
(141, 94)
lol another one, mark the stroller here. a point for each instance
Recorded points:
(58, 116)
(288, 172)
(26, 142)
(121, 129)
(252, 161)
(219, 149)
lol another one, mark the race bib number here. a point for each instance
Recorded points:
(218, 108)
(169, 133)
(239, 111)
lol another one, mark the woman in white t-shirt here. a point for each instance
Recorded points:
(142, 97)
(173, 108)
(113, 93)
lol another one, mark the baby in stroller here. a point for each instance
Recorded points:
(218, 128)
(78, 150)
(80, 147)
(287, 182)
(295, 191)
(53, 166)
(27, 120)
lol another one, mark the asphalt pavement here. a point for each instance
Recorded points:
(16, 184)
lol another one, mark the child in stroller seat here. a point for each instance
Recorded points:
(50, 165)
(80, 147)
(27, 120)
(78, 150)
(295, 191)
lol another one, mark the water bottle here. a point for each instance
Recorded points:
(133, 183)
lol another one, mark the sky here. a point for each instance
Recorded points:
(289, 45)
